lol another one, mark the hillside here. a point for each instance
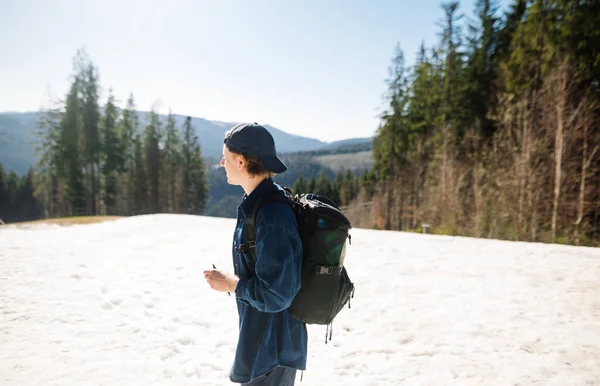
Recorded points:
(224, 197)
(17, 141)
(359, 162)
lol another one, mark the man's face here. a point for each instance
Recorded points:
(234, 166)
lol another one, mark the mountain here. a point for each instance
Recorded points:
(17, 141)
(346, 143)
(303, 156)
(17, 138)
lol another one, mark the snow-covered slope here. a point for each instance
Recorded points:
(125, 303)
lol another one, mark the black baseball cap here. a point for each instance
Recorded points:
(254, 139)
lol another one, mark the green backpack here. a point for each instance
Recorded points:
(325, 287)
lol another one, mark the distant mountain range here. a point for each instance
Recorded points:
(17, 138)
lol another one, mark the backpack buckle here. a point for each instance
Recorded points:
(323, 270)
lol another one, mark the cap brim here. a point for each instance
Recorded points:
(273, 164)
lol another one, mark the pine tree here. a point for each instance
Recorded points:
(17, 197)
(113, 154)
(26, 203)
(299, 185)
(70, 159)
(512, 19)
(11, 213)
(580, 36)
(522, 107)
(139, 178)
(187, 158)
(152, 161)
(47, 183)
(311, 184)
(90, 111)
(349, 188)
(323, 185)
(194, 182)
(393, 137)
(480, 69)
(200, 181)
(454, 111)
(128, 131)
(172, 164)
(336, 188)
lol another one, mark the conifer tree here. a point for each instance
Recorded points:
(113, 154)
(70, 159)
(128, 131)
(172, 163)
(152, 161)
(194, 184)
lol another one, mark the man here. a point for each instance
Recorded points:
(272, 345)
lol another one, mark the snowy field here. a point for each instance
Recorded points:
(125, 303)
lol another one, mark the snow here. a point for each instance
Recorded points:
(125, 302)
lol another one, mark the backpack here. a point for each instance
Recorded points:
(325, 286)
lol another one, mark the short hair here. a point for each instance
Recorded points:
(254, 166)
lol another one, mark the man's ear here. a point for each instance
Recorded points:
(241, 162)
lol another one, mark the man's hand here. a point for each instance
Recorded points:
(221, 281)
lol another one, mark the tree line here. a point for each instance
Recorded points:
(494, 131)
(339, 149)
(106, 161)
(304, 175)
(18, 201)
(342, 190)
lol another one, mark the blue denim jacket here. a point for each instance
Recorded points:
(268, 335)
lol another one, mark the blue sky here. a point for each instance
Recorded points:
(309, 67)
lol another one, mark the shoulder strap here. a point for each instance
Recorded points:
(249, 235)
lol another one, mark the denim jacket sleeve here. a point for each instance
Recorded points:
(278, 260)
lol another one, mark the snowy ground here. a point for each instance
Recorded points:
(125, 303)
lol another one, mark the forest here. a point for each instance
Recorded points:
(491, 133)
(494, 131)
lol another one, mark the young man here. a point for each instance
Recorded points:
(272, 345)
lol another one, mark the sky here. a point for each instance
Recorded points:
(313, 68)
(126, 303)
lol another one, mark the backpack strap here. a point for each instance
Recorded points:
(249, 235)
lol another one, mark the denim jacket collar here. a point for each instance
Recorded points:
(249, 201)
